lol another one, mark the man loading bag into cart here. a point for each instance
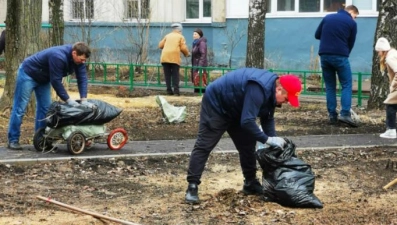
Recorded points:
(38, 73)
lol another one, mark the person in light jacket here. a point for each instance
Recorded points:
(172, 45)
(388, 60)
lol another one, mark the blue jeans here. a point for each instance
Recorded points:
(24, 87)
(333, 65)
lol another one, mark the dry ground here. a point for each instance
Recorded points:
(150, 190)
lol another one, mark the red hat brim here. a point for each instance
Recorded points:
(293, 100)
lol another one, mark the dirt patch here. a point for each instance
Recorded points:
(150, 190)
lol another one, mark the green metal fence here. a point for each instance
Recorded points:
(152, 76)
(313, 84)
(144, 75)
(133, 75)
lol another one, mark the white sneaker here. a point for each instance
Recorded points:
(390, 133)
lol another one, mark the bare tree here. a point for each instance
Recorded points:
(234, 36)
(386, 27)
(256, 34)
(84, 13)
(137, 34)
(23, 23)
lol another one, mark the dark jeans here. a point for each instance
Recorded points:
(211, 128)
(391, 111)
(171, 73)
(333, 65)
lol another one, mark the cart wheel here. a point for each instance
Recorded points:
(76, 143)
(39, 141)
(117, 139)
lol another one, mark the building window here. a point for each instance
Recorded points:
(308, 8)
(82, 9)
(137, 9)
(378, 6)
(285, 5)
(198, 9)
(333, 5)
(309, 5)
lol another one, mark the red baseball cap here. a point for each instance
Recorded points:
(293, 86)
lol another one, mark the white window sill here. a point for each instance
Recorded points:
(202, 20)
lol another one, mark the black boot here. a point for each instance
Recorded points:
(192, 193)
(252, 187)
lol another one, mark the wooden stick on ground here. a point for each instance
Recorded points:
(85, 211)
(393, 182)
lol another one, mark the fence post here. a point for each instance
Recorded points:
(92, 65)
(304, 83)
(105, 73)
(131, 77)
(359, 91)
(158, 75)
(118, 73)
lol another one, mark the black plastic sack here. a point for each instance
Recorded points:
(61, 114)
(286, 179)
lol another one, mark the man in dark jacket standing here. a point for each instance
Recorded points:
(2, 42)
(38, 73)
(232, 103)
(337, 34)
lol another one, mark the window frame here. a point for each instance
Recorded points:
(139, 17)
(201, 18)
(295, 13)
(84, 19)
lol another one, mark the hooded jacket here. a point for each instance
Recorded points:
(227, 96)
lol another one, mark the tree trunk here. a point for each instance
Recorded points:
(256, 34)
(56, 20)
(386, 27)
(13, 58)
(56, 32)
(23, 24)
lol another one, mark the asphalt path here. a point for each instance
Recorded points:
(168, 147)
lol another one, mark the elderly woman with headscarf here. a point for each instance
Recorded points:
(199, 59)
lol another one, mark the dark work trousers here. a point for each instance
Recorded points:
(391, 111)
(211, 128)
(171, 72)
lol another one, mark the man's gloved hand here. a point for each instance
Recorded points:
(88, 104)
(72, 102)
(276, 142)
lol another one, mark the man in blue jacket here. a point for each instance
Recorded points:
(337, 34)
(231, 104)
(3, 42)
(38, 73)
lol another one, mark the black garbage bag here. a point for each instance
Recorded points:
(287, 179)
(61, 114)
